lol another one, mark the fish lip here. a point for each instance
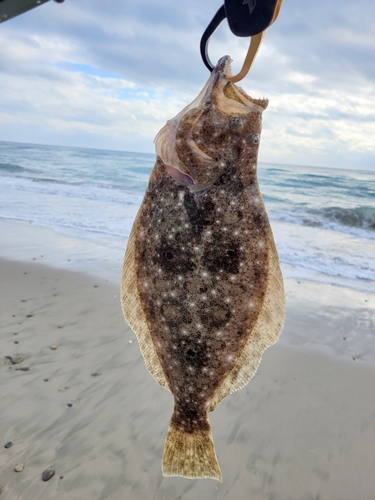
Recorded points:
(220, 77)
(223, 64)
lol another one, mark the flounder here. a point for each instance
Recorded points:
(201, 286)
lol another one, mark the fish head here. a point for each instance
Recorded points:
(217, 131)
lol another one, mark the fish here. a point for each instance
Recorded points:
(201, 284)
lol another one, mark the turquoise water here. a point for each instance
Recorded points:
(323, 219)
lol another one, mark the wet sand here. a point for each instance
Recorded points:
(303, 428)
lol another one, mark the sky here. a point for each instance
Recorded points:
(109, 74)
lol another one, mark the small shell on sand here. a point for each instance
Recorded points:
(15, 360)
(48, 473)
(53, 347)
(9, 444)
(19, 468)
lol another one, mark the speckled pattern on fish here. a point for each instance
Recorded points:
(202, 288)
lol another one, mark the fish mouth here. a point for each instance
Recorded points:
(230, 98)
(219, 93)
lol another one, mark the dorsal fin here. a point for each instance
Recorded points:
(133, 311)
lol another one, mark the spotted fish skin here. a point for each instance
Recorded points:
(202, 257)
(206, 295)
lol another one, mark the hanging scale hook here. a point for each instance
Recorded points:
(245, 18)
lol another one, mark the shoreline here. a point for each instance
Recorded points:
(102, 254)
(25, 242)
(348, 314)
(302, 428)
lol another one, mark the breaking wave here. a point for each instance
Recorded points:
(360, 217)
(358, 221)
(10, 168)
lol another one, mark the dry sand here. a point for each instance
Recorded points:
(304, 428)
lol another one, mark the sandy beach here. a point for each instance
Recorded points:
(82, 402)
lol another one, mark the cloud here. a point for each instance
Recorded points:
(109, 74)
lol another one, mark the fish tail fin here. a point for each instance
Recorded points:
(190, 455)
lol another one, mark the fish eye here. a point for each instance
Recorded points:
(235, 122)
(254, 139)
(169, 255)
(191, 353)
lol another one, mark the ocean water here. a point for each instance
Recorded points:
(323, 219)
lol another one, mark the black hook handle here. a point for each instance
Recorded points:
(245, 18)
(249, 17)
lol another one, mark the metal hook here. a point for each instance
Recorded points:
(246, 18)
(214, 24)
